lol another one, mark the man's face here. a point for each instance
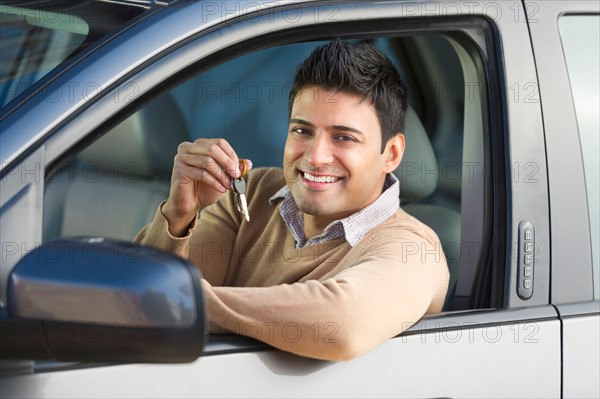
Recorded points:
(332, 158)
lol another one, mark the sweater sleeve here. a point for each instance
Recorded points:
(157, 235)
(205, 242)
(211, 239)
(388, 288)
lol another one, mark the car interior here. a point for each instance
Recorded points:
(112, 188)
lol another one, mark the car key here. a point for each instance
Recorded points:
(239, 188)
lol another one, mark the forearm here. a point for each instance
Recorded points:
(336, 319)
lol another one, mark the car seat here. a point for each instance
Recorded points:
(116, 184)
(419, 175)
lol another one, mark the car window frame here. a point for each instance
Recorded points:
(384, 26)
(307, 33)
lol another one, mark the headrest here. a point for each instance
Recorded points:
(418, 171)
(144, 144)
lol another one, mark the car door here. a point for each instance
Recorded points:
(565, 43)
(501, 325)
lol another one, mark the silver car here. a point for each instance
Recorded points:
(502, 162)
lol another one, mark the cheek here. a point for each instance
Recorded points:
(292, 151)
(363, 166)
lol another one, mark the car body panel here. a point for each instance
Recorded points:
(407, 366)
(581, 346)
(21, 210)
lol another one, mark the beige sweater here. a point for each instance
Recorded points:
(328, 301)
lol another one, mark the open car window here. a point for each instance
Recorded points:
(113, 187)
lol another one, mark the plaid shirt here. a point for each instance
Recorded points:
(352, 228)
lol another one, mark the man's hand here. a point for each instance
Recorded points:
(202, 173)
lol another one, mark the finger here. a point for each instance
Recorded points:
(206, 163)
(202, 175)
(245, 165)
(220, 150)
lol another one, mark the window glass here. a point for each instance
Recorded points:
(33, 44)
(580, 36)
(37, 36)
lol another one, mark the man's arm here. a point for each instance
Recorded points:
(213, 229)
(342, 317)
(157, 235)
(202, 174)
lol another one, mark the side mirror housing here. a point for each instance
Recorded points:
(97, 300)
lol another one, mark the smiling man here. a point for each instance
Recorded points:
(334, 150)
(330, 266)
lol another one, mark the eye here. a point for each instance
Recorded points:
(299, 130)
(345, 137)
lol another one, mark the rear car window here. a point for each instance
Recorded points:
(580, 35)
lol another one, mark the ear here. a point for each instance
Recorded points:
(394, 149)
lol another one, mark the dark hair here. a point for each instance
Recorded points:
(357, 69)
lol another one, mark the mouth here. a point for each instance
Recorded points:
(318, 179)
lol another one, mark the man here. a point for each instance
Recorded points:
(320, 270)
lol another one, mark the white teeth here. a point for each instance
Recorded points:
(320, 179)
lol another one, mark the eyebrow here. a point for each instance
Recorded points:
(334, 127)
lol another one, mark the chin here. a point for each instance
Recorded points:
(313, 210)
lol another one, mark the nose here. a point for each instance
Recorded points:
(319, 151)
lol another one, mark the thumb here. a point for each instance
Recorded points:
(247, 165)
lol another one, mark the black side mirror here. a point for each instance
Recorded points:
(95, 300)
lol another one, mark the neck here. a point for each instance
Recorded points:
(313, 226)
